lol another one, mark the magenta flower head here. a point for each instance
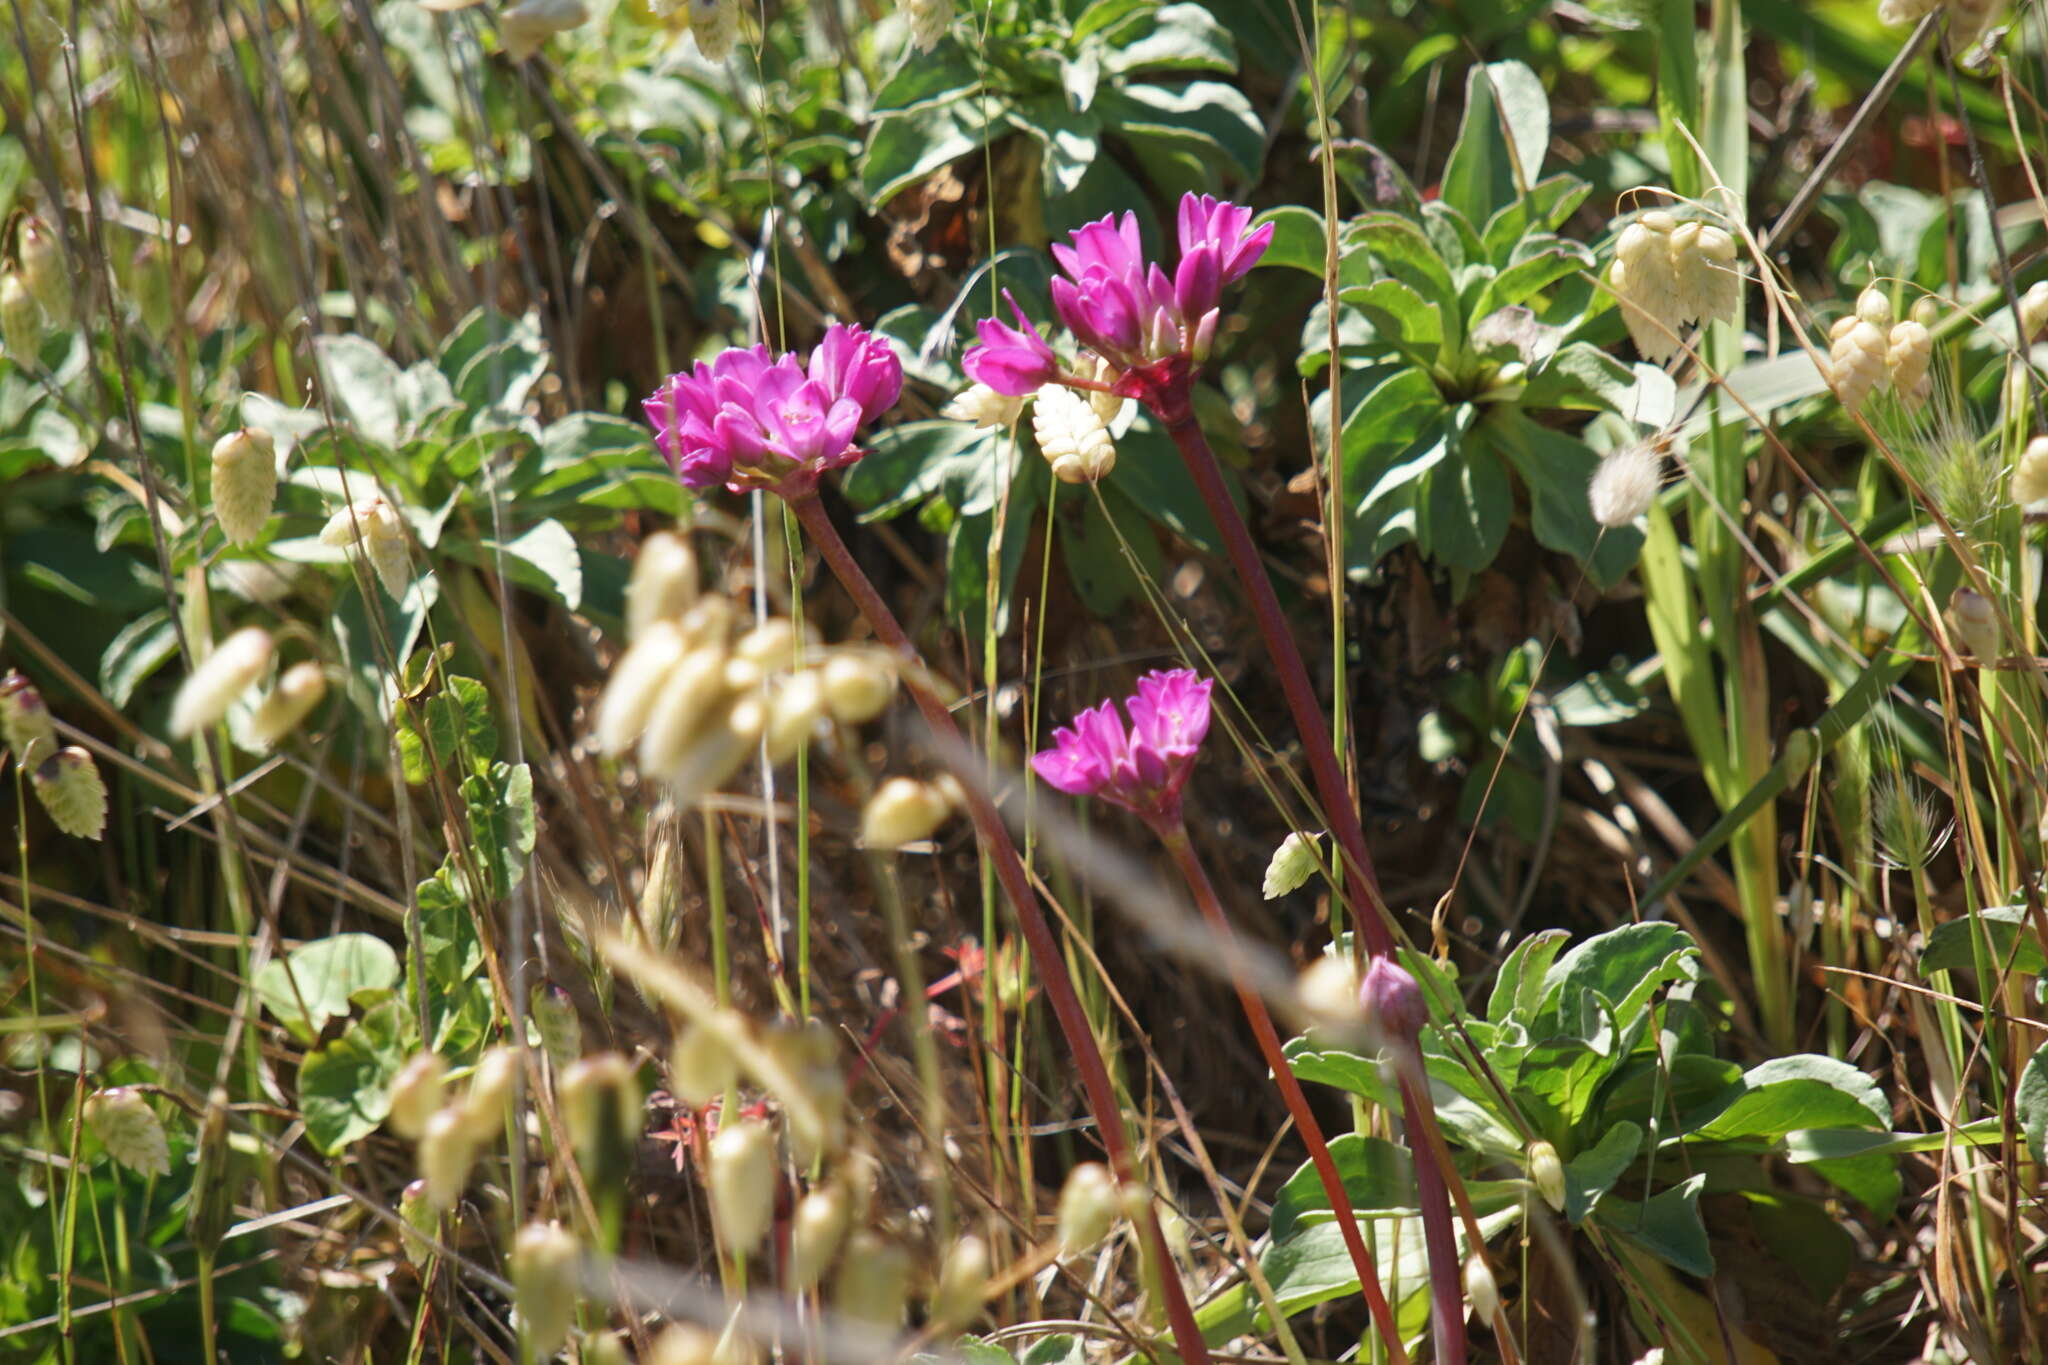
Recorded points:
(747, 420)
(1143, 768)
(1013, 361)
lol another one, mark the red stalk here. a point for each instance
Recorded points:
(1009, 868)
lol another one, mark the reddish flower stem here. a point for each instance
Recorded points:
(1009, 869)
(1169, 393)
(1174, 835)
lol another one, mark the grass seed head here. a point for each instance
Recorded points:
(873, 1284)
(1088, 1208)
(24, 719)
(903, 811)
(715, 24)
(664, 582)
(817, 1228)
(447, 1149)
(298, 690)
(417, 1095)
(244, 483)
(547, 1270)
(742, 1180)
(1546, 1173)
(225, 674)
(2030, 475)
(1625, 483)
(43, 270)
(129, 1129)
(962, 1283)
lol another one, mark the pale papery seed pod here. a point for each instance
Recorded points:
(986, 409)
(1686, 285)
(709, 624)
(1108, 406)
(873, 1283)
(43, 270)
(773, 645)
(1874, 306)
(694, 690)
(528, 25)
(418, 1222)
(903, 811)
(637, 682)
(1088, 1208)
(417, 1094)
(962, 1284)
(1291, 865)
(244, 483)
(859, 684)
(224, 675)
(1908, 353)
(68, 784)
(715, 24)
(555, 1019)
(793, 715)
(1480, 1288)
(928, 21)
(21, 320)
(446, 1152)
(375, 527)
(488, 1100)
(1071, 435)
(1927, 310)
(816, 1229)
(2030, 476)
(129, 1129)
(683, 1343)
(1625, 483)
(2034, 311)
(664, 582)
(1856, 363)
(601, 1106)
(297, 691)
(1546, 1173)
(725, 743)
(742, 1181)
(813, 1088)
(547, 1266)
(1975, 623)
(702, 1067)
(24, 719)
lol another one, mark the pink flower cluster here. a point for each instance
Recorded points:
(747, 419)
(1121, 306)
(1141, 769)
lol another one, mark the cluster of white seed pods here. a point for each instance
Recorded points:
(928, 21)
(129, 1129)
(715, 24)
(373, 527)
(1909, 353)
(1868, 350)
(1073, 435)
(698, 695)
(1668, 273)
(985, 409)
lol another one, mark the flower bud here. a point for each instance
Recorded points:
(691, 693)
(2030, 477)
(1071, 435)
(1546, 1173)
(664, 582)
(985, 408)
(1088, 1208)
(2034, 312)
(793, 714)
(129, 1129)
(715, 24)
(1480, 1289)
(963, 1283)
(1874, 306)
(742, 1179)
(702, 1068)
(43, 270)
(816, 1229)
(244, 483)
(601, 1105)
(1328, 992)
(1392, 1000)
(416, 1095)
(873, 1284)
(1625, 483)
(554, 1019)
(488, 1100)
(904, 811)
(375, 527)
(1907, 356)
(21, 320)
(1291, 865)
(298, 690)
(24, 720)
(859, 684)
(1975, 622)
(233, 667)
(447, 1149)
(69, 786)
(530, 23)
(419, 1222)
(547, 1270)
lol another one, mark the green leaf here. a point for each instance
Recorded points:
(447, 930)
(1376, 1175)
(1463, 508)
(1592, 1173)
(312, 983)
(904, 148)
(1400, 318)
(1518, 985)
(1205, 116)
(1298, 239)
(458, 722)
(361, 647)
(2006, 932)
(1069, 141)
(1185, 37)
(142, 647)
(364, 385)
(1621, 965)
(1806, 1237)
(1058, 1349)
(501, 821)
(908, 463)
(2030, 1102)
(1150, 472)
(927, 78)
(1788, 1093)
(1604, 697)
(1501, 142)
(1556, 469)
(345, 1087)
(1666, 1225)
(545, 557)
(1400, 247)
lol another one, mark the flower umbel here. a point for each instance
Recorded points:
(1143, 768)
(747, 419)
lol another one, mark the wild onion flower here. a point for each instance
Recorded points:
(1125, 309)
(747, 419)
(1143, 768)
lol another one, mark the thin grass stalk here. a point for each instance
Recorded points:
(1173, 834)
(1009, 871)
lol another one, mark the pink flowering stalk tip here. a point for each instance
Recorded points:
(746, 419)
(1391, 999)
(1126, 309)
(1143, 768)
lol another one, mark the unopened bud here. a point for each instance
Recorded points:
(904, 811)
(873, 1284)
(742, 1179)
(1088, 1208)
(489, 1097)
(69, 786)
(1975, 622)
(702, 1067)
(1328, 992)
(985, 408)
(555, 1020)
(233, 667)
(24, 720)
(1071, 435)
(447, 1150)
(1392, 1000)
(1108, 406)
(2030, 476)
(21, 320)
(417, 1094)
(963, 1283)
(601, 1105)
(1480, 1289)
(298, 690)
(1291, 865)
(859, 684)
(43, 270)
(664, 582)
(419, 1222)
(715, 24)
(244, 483)
(816, 1229)
(129, 1129)
(547, 1270)
(1546, 1173)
